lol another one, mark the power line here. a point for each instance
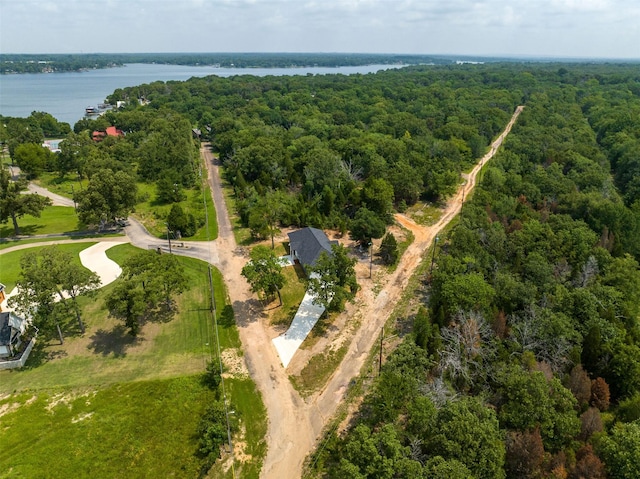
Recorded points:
(215, 319)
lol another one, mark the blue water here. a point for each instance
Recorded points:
(66, 95)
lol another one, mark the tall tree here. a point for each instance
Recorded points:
(48, 279)
(74, 151)
(333, 279)
(621, 450)
(146, 289)
(264, 272)
(389, 249)
(108, 196)
(14, 205)
(366, 225)
(76, 280)
(468, 431)
(32, 159)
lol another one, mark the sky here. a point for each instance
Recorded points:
(548, 28)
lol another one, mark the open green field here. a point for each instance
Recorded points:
(54, 219)
(10, 262)
(106, 404)
(153, 214)
(135, 429)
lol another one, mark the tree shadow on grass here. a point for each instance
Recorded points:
(40, 355)
(164, 312)
(115, 342)
(324, 327)
(302, 276)
(27, 230)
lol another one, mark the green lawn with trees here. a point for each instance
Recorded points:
(91, 395)
(11, 261)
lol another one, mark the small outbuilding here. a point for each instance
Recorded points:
(307, 244)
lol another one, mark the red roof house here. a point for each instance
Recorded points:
(98, 135)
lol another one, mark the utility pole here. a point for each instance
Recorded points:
(380, 360)
(168, 239)
(73, 196)
(433, 256)
(370, 259)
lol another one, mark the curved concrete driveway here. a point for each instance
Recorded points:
(93, 258)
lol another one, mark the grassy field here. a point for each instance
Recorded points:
(292, 294)
(54, 219)
(10, 262)
(66, 186)
(148, 209)
(154, 214)
(11, 242)
(137, 429)
(105, 404)
(424, 214)
(247, 406)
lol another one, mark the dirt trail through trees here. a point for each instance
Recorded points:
(294, 423)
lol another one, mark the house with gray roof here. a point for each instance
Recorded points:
(307, 244)
(12, 327)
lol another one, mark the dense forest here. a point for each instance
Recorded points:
(337, 151)
(525, 360)
(49, 63)
(524, 355)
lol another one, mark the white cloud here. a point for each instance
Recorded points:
(582, 5)
(488, 27)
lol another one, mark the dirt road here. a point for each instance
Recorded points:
(296, 424)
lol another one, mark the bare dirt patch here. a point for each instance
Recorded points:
(68, 398)
(81, 417)
(234, 364)
(6, 408)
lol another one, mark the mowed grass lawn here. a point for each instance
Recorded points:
(53, 219)
(66, 186)
(107, 405)
(10, 262)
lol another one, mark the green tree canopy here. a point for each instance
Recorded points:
(366, 225)
(108, 196)
(333, 279)
(264, 272)
(146, 289)
(32, 159)
(14, 205)
(468, 431)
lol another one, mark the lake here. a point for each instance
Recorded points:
(66, 95)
